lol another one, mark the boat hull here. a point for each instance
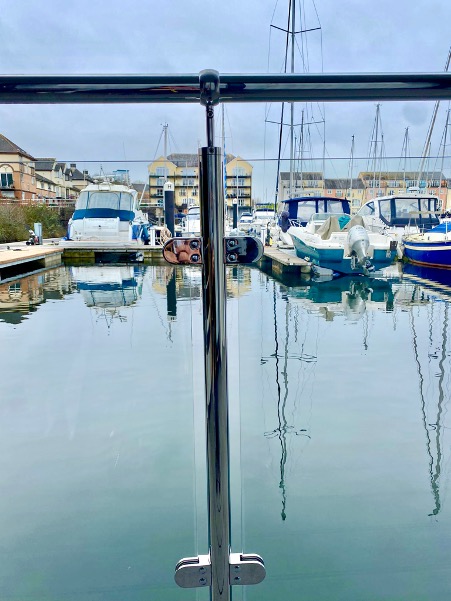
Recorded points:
(435, 253)
(335, 259)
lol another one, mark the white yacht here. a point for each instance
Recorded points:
(106, 212)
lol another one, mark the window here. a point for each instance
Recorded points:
(367, 209)
(159, 191)
(329, 191)
(339, 193)
(238, 171)
(6, 180)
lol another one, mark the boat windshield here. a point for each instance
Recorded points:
(193, 215)
(120, 201)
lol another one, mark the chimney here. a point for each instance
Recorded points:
(85, 173)
(73, 165)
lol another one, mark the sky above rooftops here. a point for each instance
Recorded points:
(232, 37)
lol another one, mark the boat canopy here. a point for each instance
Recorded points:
(105, 204)
(401, 211)
(304, 207)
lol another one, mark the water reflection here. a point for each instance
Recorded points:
(347, 442)
(431, 287)
(347, 296)
(109, 288)
(23, 295)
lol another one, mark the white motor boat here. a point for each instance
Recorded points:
(342, 245)
(108, 213)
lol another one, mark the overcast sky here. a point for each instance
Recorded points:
(175, 36)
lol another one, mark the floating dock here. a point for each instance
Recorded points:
(106, 252)
(281, 263)
(17, 259)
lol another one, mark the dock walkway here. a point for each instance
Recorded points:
(281, 262)
(17, 257)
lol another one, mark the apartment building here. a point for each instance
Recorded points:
(304, 184)
(67, 181)
(183, 171)
(352, 189)
(17, 173)
(389, 183)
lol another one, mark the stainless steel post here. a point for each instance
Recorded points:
(217, 417)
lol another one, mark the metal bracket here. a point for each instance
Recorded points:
(242, 249)
(209, 87)
(183, 251)
(195, 572)
(246, 569)
(189, 251)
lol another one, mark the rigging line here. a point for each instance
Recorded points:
(423, 404)
(436, 477)
(296, 32)
(175, 145)
(156, 150)
(303, 19)
(274, 11)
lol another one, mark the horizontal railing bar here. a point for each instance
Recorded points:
(124, 88)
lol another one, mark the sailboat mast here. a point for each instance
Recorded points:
(445, 138)
(404, 153)
(165, 147)
(375, 145)
(293, 23)
(431, 129)
(351, 167)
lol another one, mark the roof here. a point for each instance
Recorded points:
(6, 146)
(190, 160)
(184, 160)
(315, 175)
(400, 175)
(41, 178)
(343, 184)
(138, 187)
(78, 175)
(43, 164)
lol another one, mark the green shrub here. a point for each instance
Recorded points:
(16, 220)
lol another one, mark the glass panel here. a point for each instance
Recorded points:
(354, 475)
(102, 442)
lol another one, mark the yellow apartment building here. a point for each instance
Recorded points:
(183, 171)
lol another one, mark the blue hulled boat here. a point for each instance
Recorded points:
(431, 248)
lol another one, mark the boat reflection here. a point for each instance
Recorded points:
(348, 296)
(109, 288)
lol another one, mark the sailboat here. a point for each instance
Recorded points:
(297, 209)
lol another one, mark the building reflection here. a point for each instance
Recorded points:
(22, 296)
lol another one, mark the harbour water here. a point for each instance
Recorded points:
(339, 434)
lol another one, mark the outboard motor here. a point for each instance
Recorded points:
(359, 243)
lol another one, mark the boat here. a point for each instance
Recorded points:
(393, 215)
(342, 244)
(190, 225)
(107, 213)
(431, 248)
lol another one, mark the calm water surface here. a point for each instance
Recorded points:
(340, 435)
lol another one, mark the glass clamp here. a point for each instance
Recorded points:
(242, 249)
(183, 251)
(195, 572)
